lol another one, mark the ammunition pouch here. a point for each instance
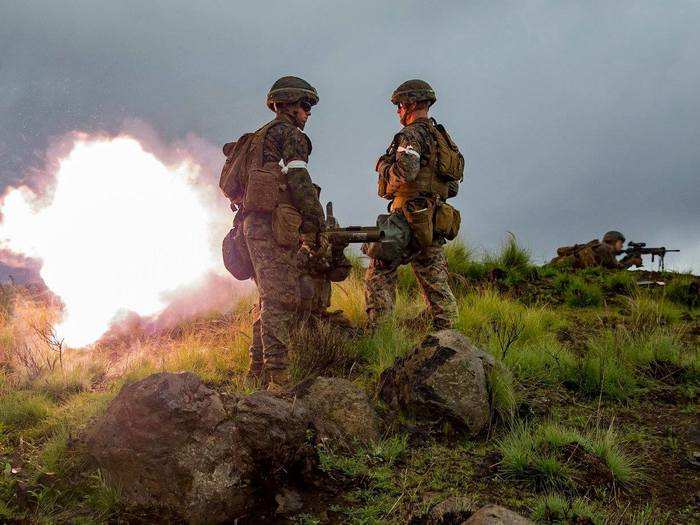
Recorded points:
(447, 221)
(286, 221)
(235, 254)
(419, 214)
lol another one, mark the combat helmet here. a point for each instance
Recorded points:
(413, 91)
(613, 236)
(288, 90)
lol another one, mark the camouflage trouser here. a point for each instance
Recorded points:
(277, 279)
(430, 268)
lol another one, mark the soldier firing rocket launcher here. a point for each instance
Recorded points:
(637, 249)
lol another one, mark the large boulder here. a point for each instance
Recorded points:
(341, 411)
(496, 515)
(170, 442)
(442, 380)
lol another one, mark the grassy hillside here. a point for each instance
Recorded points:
(595, 410)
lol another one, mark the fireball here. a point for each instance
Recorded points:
(120, 230)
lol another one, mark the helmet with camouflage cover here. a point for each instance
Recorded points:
(413, 91)
(613, 236)
(288, 90)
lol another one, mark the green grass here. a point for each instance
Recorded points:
(558, 509)
(683, 291)
(21, 410)
(546, 455)
(581, 294)
(619, 282)
(647, 313)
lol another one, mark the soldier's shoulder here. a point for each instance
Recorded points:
(416, 131)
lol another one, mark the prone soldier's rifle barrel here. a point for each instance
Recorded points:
(640, 248)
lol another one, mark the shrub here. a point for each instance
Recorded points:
(581, 294)
(551, 455)
(512, 255)
(459, 257)
(320, 348)
(684, 291)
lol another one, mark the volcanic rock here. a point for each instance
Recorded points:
(170, 442)
(496, 515)
(442, 380)
(341, 411)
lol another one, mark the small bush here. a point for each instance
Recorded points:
(551, 455)
(684, 291)
(319, 348)
(547, 362)
(459, 257)
(556, 509)
(512, 255)
(580, 294)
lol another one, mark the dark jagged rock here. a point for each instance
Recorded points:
(341, 411)
(443, 379)
(170, 442)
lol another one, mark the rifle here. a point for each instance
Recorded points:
(637, 249)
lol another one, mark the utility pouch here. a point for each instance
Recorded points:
(447, 221)
(286, 221)
(421, 222)
(262, 191)
(235, 254)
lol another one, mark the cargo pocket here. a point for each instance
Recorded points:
(286, 221)
(421, 222)
(262, 191)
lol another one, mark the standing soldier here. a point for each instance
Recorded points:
(267, 180)
(419, 172)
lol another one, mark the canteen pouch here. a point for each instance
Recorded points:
(421, 222)
(235, 254)
(262, 191)
(286, 221)
(447, 221)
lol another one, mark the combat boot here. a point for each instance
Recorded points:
(256, 371)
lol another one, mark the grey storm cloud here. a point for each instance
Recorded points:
(574, 117)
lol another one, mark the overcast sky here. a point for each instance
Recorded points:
(574, 117)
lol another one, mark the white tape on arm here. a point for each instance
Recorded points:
(408, 149)
(295, 164)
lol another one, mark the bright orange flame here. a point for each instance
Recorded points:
(122, 229)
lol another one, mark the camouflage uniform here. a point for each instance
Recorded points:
(591, 254)
(275, 267)
(411, 150)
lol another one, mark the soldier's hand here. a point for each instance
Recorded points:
(316, 244)
(637, 261)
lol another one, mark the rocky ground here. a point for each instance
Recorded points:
(560, 397)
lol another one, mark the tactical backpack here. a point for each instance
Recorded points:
(578, 255)
(450, 162)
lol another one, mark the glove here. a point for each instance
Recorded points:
(316, 244)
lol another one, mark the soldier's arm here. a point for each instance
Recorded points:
(406, 163)
(295, 156)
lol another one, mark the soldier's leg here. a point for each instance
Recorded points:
(380, 290)
(256, 346)
(430, 267)
(277, 278)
